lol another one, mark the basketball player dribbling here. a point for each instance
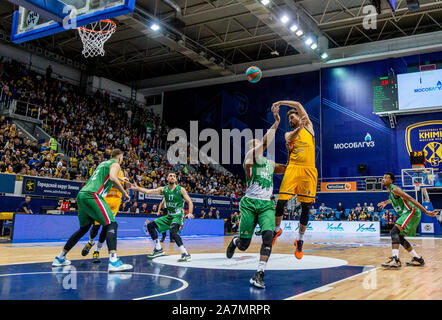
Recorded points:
(301, 176)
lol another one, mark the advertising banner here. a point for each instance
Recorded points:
(221, 202)
(335, 227)
(36, 186)
(7, 183)
(338, 186)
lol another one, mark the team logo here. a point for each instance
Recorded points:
(426, 136)
(30, 185)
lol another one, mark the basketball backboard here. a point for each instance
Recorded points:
(29, 25)
(418, 177)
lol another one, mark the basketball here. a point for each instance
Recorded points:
(253, 74)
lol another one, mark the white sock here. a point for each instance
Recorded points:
(92, 241)
(157, 244)
(62, 255)
(182, 249)
(235, 241)
(396, 253)
(300, 235)
(277, 228)
(113, 257)
(99, 246)
(414, 253)
(262, 265)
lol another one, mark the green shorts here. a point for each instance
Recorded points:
(253, 212)
(409, 221)
(164, 223)
(92, 207)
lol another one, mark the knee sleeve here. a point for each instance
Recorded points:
(151, 228)
(111, 236)
(94, 231)
(404, 242)
(243, 244)
(266, 247)
(174, 228)
(305, 213)
(395, 235)
(76, 237)
(280, 205)
(103, 233)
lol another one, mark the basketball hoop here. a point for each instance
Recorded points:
(94, 36)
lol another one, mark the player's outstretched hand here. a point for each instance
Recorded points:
(381, 205)
(190, 216)
(275, 110)
(134, 186)
(432, 213)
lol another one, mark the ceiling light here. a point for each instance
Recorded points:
(285, 19)
(314, 46)
(324, 55)
(299, 33)
(294, 28)
(155, 27)
(309, 41)
(265, 2)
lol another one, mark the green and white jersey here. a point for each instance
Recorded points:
(173, 200)
(400, 205)
(99, 182)
(259, 178)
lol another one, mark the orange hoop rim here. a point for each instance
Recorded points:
(102, 31)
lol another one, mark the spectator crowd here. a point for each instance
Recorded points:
(88, 127)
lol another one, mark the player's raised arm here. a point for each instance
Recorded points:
(189, 201)
(261, 146)
(406, 197)
(157, 191)
(278, 167)
(299, 108)
(113, 177)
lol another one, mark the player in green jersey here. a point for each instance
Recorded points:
(174, 197)
(92, 207)
(409, 211)
(256, 207)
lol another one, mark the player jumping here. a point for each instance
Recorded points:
(256, 207)
(409, 211)
(300, 176)
(92, 207)
(174, 196)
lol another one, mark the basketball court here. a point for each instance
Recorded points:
(369, 80)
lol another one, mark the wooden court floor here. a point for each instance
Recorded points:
(410, 283)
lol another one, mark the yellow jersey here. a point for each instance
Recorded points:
(303, 152)
(114, 192)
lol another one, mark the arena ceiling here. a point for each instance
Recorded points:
(214, 36)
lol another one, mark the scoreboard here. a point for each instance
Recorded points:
(385, 94)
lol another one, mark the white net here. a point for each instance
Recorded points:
(94, 36)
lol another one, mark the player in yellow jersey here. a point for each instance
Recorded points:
(113, 199)
(301, 176)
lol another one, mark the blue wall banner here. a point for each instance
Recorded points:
(197, 199)
(221, 202)
(36, 186)
(7, 183)
(61, 227)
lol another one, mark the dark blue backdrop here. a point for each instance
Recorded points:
(340, 97)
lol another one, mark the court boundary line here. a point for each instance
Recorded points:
(184, 286)
(332, 283)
